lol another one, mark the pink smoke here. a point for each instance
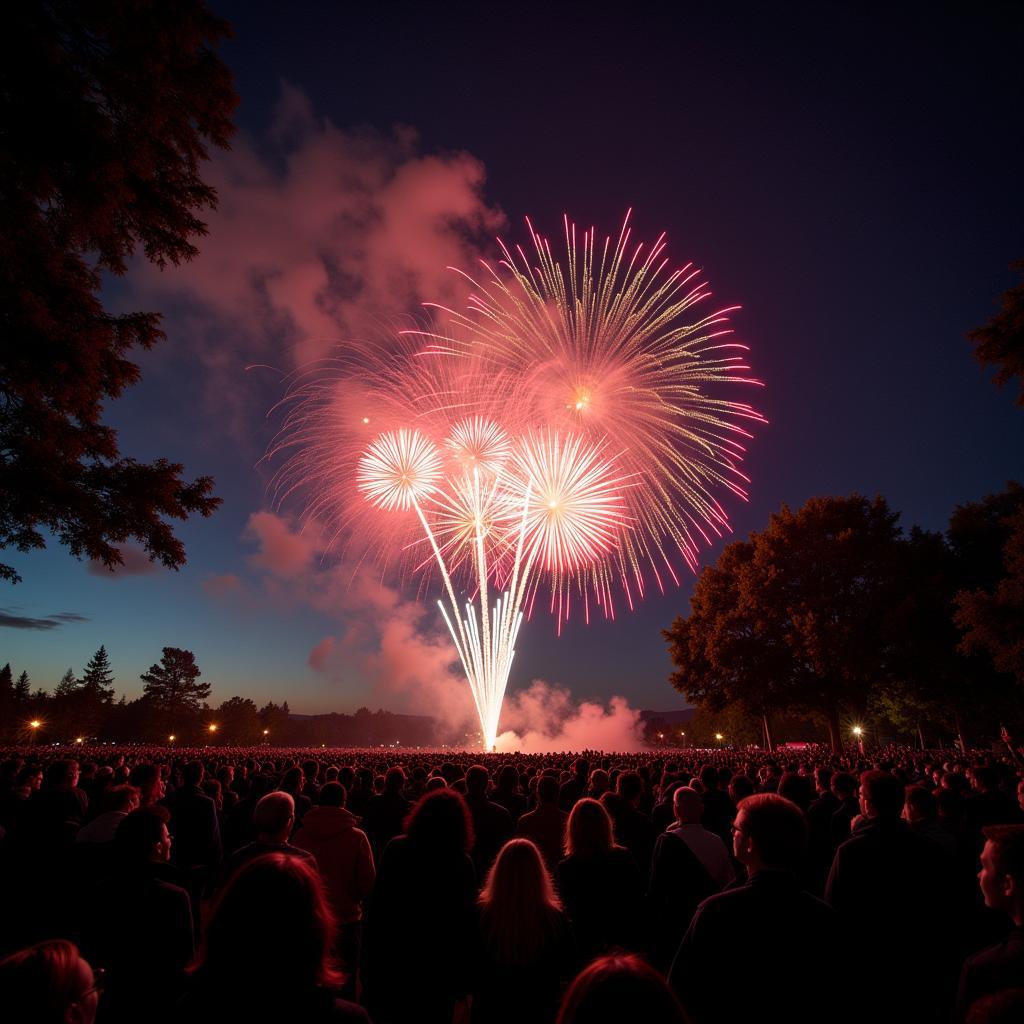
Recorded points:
(320, 655)
(543, 718)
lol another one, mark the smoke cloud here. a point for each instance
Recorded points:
(544, 717)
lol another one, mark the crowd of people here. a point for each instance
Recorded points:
(259, 884)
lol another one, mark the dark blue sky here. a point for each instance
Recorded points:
(852, 179)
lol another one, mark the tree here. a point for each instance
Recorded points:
(107, 112)
(6, 699)
(275, 719)
(1001, 341)
(797, 618)
(67, 685)
(97, 682)
(993, 619)
(21, 689)
(173, 686)
(238, 721)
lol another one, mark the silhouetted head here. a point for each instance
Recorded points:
(518, 904)
(274, 815)
(270, 930)
(440, 821)
(620, 988)
(332, 794)
(588, 832)
(49, 983)
(881, 795)
(142, 836)
(769, 832)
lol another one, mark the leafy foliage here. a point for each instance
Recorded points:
(1000, 342)
(108, 111)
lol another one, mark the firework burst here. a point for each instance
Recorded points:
(571, 425)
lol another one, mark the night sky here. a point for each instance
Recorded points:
(852, 180)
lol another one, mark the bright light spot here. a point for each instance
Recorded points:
(35, 723)
(366, 419)
(719, 736)
(171, 738)
(857, 730)
(213, 728)
(79, 740)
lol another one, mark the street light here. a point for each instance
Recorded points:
(34, 726)
(859, 733)
(213, 730)
(170, 739)
(79, 740)
(719, 737)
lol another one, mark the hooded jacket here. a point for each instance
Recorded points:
(343, 856)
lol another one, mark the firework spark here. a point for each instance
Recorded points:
(570, 425)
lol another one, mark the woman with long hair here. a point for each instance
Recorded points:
(266, 954)
(526, 954)
(421, 919)
(599, 882)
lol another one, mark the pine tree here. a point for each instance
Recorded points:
(98, 680)
(173, 685)
(67, 685)
(21, 690)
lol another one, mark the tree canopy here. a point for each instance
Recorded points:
(1000, 342)
(108, 111)
(173, 685)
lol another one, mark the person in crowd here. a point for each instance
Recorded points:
(267, 953)
(274, 819)
(887, 879)
(526, 954)
(690, 863)
(386, 812)
(118, 803)
(49, 983)
(342, 853)
(149, 781)
(987, 804)
(239, 824)
(719, 811)
(506, 793)
(293, 783)
(545, 825)
(1002, 887)
(921, 812)
(140, 927)
(844, 789)
(618, 988)
(721, 980)
(575, 787)
(631, 828)
(600, 883)
(421, 921)
(194, 823)
(492, 824)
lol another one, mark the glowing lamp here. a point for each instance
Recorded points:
(719, 737)
(857, 730)
(35, 723)
(170, 739)
(266, 732)
(213, 728)
(79, 740)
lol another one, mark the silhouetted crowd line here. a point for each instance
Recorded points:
(255, 884)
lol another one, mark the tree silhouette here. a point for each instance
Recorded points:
(21, 689)
(797, 618)
(173, 685)
(1000, 342)
(97, 682)
(107, 113)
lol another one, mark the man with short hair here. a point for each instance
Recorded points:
(342, 853)
(1002, 886)
(765, 950)
(689, 864)
(117, 802)
(194, 823)
(545, 826)
(888, 880)
(385, 814)
(273, 819)
(492, 824)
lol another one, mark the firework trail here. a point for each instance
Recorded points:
(565, 431)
